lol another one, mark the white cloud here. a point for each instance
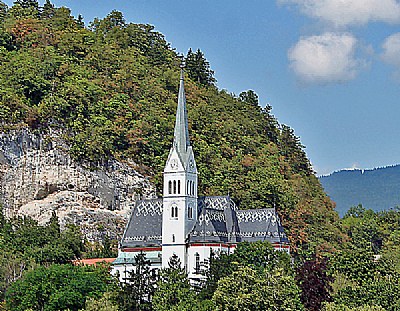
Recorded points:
(327, 58)
(342, 13)
(391, 50)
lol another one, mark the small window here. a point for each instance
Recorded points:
(173, 238)
(174, 186)
(179, 186)
(188, 188)
(193, 193)
(190, 212)
(169, 187)
(197, 263)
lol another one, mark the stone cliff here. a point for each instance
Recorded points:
(37, 177)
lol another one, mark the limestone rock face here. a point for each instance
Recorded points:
(37, 177)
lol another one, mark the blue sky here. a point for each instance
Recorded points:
(329, 68)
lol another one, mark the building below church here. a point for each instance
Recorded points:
(186, 225)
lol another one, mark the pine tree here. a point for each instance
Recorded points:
(137, 292)
(173, 287)
(198, 68)
(48, 10)
(79, 21)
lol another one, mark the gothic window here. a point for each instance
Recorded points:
(169, 187)
(197, 263)
(188, 187)
(193, 188)
(179, 186)
(174, 186)
(190, 212)
(174, 211)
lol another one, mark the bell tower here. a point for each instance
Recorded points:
(180, 188)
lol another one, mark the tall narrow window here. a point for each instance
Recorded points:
(179, 186)
(169, 187)
(174, 211)
(174, 186)
(197, 263)
(193, 193)
(190, 212)
(173, 238)
(188, 188)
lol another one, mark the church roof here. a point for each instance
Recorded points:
(144, 225)
(181, 132)
(218, 221)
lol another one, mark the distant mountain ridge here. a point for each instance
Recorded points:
(377, 189)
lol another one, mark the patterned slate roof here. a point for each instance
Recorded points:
(218, 221)
(260, 225)
(144, 225)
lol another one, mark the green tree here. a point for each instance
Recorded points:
(48, 10)
(198, 68)
(250, 97)
(173, 290)
(58, 287)
(246, 290)
(137, 292)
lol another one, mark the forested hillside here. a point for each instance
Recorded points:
(107, 92)
(377, 189)
(111, 88)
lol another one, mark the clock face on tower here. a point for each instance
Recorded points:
(174, 164)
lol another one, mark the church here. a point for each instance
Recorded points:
(189, 226)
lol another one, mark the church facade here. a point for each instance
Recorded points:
(189, 226)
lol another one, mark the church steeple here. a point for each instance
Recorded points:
(180, 209)
(181, 133)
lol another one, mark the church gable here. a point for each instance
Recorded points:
(215, 220)
(174, 162)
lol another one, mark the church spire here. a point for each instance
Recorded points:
(181, 133)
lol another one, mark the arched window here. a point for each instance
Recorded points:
(174, 186)
(179, 186)
(174, 211)
(193, 193)
(169, 187)
(190, 212)
(197, 263)
(188, 187)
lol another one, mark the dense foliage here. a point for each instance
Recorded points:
(58, 287)
(24, 245)
(366, 271)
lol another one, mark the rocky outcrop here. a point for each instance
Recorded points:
(37, 177)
